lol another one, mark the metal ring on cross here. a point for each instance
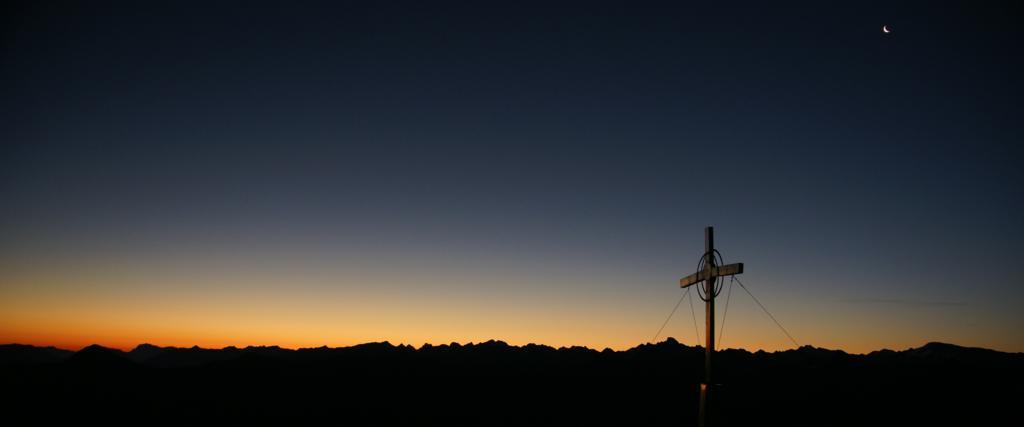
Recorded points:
(716, 259)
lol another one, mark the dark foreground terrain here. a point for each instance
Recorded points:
(494, 383)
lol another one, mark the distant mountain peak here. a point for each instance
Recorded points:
(941, 345)
(99, 355)
(28, 354)
(145, 347)
(95, 347)
(945, 350)
(145, 351)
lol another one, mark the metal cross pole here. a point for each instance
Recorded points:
(710, 272)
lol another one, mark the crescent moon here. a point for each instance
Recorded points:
(885, 29)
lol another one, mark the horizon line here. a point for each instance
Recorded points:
(492, 340)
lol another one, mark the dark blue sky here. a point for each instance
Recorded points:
(577, 150)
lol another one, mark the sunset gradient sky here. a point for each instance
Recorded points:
(330, 174)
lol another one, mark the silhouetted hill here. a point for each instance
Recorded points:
(145, 352)
(26, 354)
(937, 352)
(493, 382)
(99, 357)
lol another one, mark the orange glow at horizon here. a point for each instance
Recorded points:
(121, 308)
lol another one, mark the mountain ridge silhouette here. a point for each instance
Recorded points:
(492, 382)
(164, 356)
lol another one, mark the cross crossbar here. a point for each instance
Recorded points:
(700, 276)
